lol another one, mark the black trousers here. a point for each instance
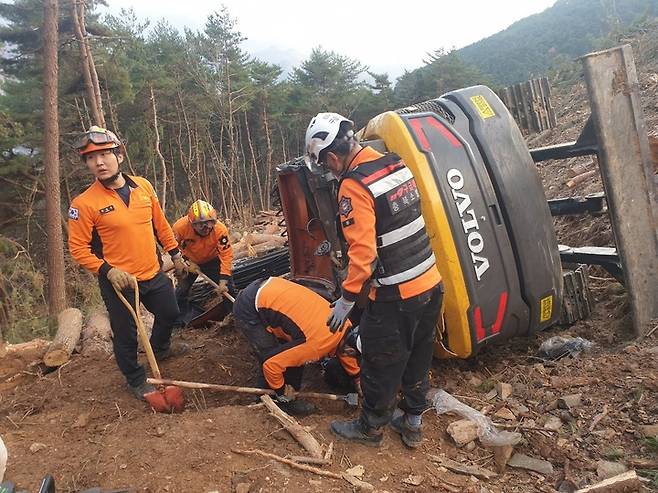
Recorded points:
(397, 341)
(157, 295)
(263, 343)
(187, 312)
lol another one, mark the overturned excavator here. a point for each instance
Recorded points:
(484, 207)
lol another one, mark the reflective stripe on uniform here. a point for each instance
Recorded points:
(408, 274)
(389, 182)
(258, 292)
(401, 233)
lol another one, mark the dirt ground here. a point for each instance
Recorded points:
(81, 425)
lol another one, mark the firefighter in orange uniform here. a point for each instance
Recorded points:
(286, 325)
(205, 241)
(111, 234)
(388, 247)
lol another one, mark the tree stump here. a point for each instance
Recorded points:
(69, 328)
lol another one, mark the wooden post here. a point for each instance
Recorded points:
(625, 164)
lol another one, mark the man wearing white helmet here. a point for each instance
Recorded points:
(389, 250)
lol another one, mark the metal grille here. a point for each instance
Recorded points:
(433, 106)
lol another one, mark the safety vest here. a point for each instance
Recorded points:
(403, 247)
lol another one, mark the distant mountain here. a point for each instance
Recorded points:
(570, 28)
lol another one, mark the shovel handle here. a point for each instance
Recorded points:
(141, 331)
(212, 283)
(242, 390)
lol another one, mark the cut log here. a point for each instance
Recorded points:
(578, 179)
(69, 328)
(257, 239)
(305, 439)
(97, 333)
(245, 250)
(622, 483)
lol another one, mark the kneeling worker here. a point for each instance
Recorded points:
(286, 325)
(203, 240)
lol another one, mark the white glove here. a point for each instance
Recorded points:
(341, 309)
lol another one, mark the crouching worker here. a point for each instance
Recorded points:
(203, 240)
(112, 233)
(285, 324)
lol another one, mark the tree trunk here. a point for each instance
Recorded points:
(268, 160)
(92, 66)
(163, 198)
(54, 242)
(85, 65)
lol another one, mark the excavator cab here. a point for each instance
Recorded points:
(484, 208)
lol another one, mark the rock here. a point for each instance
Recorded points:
(82, 421)
(649, 430)
(413, 480)
(356, 471)
(553, 423)
(37, 447)
(562, 442)
(475, 381)
(470, 446)
(521, 461)
(462, 431)
(570, 401)
(504, 390)
(242, 488)
(491, 395)
(606, 469)
(504, 413)
(551, 406)
(502, 455)
(160, 431)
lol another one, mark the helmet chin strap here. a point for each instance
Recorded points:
(106, 182)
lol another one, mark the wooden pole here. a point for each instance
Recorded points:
(625, 163)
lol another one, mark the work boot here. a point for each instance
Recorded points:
(141, 390)
(357, 431)
(298, 407)
(411, 435)
(176, 349)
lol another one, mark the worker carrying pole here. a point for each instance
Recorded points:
(204, 240)
(113, 226)
(285, 324)
(380, 217)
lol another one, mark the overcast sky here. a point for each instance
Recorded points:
(385, 36)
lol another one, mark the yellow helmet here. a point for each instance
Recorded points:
(201, 211)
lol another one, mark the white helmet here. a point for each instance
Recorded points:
(321, 133)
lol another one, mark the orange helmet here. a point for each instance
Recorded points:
(201, 211)
(97, 139)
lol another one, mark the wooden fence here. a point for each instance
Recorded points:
(530, 104)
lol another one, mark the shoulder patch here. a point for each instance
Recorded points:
(74, 213)
(345, 206)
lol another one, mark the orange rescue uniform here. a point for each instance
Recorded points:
(297, 315)
(105, 233)
(202, 249)
(358, 225)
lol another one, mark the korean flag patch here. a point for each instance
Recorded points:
(74, 213)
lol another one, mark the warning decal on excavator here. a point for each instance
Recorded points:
(546, 308)
(482, 106)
